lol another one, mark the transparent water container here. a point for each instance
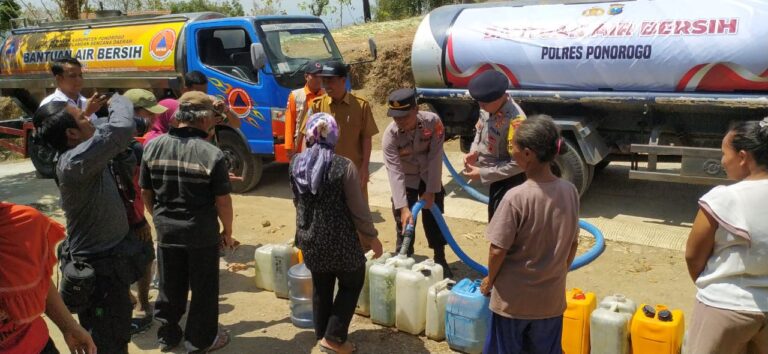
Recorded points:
(284, 256)
(466, 317)
(437, 298)
(382, 293)
(300, 294)
(363, 302)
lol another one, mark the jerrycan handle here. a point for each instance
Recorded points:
(475, 287)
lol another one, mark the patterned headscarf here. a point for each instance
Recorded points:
(312, 164)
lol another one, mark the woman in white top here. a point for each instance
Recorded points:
(727, 250)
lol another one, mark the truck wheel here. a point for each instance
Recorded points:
(241, 162)
(572, 167)
(42, 158)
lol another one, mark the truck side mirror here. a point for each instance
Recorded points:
(258, 57)
(372, 48)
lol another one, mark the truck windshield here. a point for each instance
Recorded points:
(289, 46)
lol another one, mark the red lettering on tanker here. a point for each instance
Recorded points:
(161, 45)
(679, 27)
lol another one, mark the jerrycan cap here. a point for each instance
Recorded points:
(578, 294)
(619, 298)
(665, 316)
(649, 311)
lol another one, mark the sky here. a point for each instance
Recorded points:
(292, 8)
(332, 20)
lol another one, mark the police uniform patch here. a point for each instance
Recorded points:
(513, 125)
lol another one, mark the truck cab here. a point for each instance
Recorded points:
(253, 64)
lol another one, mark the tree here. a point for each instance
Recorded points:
(366, 11)
(316, 7)
(125, 6)
(397, 9)
(228, 7)
(9, 9)
(268, 7)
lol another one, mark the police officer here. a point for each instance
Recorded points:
(413, 149)
(488, 159)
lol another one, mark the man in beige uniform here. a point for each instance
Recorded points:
(413, 150)
(353, 116)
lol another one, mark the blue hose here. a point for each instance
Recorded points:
(579, 262)
(480, 197)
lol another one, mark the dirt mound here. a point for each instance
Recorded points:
(9, 109)
(392, 70)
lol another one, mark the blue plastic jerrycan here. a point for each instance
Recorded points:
(466, 318)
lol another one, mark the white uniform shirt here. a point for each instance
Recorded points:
(736, 275)
(59, 96)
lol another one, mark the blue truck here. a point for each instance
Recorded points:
(252, 63)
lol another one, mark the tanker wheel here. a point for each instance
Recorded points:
(42, 158)
(241, 162)
(572, 167)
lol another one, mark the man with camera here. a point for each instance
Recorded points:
(101, 257)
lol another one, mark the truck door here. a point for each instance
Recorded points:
(220, 49)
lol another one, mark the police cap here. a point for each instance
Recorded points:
(401, 101)
(488, 86)
(334, 68)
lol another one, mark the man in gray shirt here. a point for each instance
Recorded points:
(97, 225)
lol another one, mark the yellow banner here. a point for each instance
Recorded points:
(148, 47)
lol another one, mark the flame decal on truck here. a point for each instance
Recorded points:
(722, 77)
(457, 78)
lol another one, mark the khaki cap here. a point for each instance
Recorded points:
(144, 99)
(196, 98)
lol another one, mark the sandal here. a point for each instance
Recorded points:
(329, 350)
(221, 341)
(140, 324)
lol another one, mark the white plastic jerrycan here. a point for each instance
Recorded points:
(435, 269)
(382, 293)
(363, 302)
(610, 324)
(263, 267)
(437, 297)
(411, 299)
(284, 256)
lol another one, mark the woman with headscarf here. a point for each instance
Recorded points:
(27, 243)
(334, 228)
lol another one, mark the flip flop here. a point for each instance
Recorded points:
(329, 350)
(221, 341)
(140, 324)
